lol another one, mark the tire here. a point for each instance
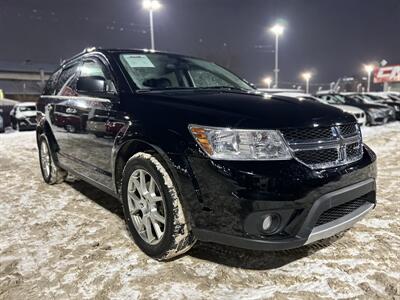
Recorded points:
(18, 127)
(51, 173)
(13, 125)
(176, 236)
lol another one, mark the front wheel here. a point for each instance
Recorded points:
(153, 210)
(50, 172)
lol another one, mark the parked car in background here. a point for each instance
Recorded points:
(7, 105)
(23, 116)
(358, 114)
(196, 153)
(376, 114)
(393, 95)
(2, 125)
(386, 99)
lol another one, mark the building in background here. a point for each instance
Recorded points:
(24, 81)
(389, 76)
(354, 83)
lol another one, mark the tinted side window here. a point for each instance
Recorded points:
(51, 84)
(66, 81)
(352, 100)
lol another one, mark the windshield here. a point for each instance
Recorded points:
(332, 99)
(154, 71)
(27, 108)
(367, 98)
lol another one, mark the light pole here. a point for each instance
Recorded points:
(151, 5)
(268, 81)
(369, 69)
(307, 76)
(277, 30)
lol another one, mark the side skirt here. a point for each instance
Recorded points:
(90, 181)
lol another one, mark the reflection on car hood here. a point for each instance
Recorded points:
(242, 110)
(348, 108)
(27, 114)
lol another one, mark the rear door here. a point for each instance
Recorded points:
(55, 103)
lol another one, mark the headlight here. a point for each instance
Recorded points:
(373, 111)
(240, 144)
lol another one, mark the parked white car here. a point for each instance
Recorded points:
(23, 116)
(356, 112)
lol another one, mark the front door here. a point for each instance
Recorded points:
(97, 110)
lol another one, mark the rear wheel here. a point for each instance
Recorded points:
(50, 172)
(152, 209)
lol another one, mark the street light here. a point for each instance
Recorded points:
(268, 81)
(369, 69)
(307, 76)
(278, 31)
(151, 5)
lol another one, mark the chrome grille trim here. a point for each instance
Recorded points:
(345, 139)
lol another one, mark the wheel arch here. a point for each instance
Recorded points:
(130, 148)
(43, 127)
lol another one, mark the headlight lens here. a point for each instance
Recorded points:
(240, 144)
(374, 111)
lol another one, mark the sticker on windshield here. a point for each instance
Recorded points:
(138, 61)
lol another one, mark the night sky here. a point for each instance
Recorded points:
(332, 38)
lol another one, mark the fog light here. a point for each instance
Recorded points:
(267, 222)
(270, 223)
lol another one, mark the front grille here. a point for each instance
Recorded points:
(342, 210)
(353, 150)
(325, 147)
(348, 130)
(317, 156)
(298, 135)
(32, 120)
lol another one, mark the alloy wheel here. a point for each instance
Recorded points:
(45, 158)
(146, 206)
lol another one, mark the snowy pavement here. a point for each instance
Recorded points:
(69, 241)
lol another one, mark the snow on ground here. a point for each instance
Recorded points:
(69, 241)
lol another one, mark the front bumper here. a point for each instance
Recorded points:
(232, 198)
(28, 123)
(308, 232)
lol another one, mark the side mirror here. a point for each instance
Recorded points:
(91, 85)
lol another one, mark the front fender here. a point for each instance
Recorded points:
(171, 153)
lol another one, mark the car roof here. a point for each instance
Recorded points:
(108, 51)
(26, 104)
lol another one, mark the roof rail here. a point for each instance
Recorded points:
(89, 49)
(86, 50)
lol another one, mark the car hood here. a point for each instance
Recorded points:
(27, 114)
(242, 110)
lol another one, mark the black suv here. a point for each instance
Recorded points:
(195, 153)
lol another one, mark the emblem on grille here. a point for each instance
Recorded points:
(342, 156)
